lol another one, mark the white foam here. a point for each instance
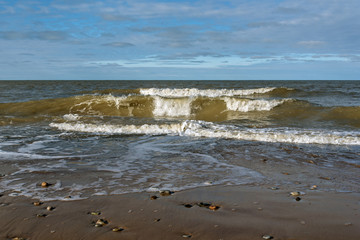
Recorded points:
(212, 130)
(247, 105)
(197, 129)
(71, 117)
(172, 107)
(194, 92)
(150, 129)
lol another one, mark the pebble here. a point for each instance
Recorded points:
(202, 204)
(118, 229)
(45, 184)
(188, 205)
(157, 220)
(267, 237)
(165, 192)
(52, 231)
(18, 238)
(274, 188)
(313, 187)
(348, 224)
(95, 213)
(37, 203)
(50, 208)
(214, 207)
(41, 215)
(295, 193)
(186, 236)
(153, 197)
(298, 199)
(101, 222)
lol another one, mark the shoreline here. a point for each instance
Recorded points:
(244, 212)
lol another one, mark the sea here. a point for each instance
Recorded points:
(88, 138)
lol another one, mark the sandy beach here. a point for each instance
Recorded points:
(240, 212)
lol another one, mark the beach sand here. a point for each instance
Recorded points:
(245, 212)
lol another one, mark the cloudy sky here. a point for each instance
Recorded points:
(180, 39)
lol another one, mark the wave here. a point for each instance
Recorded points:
(220, 108)
(212, 130)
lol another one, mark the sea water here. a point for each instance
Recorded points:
(112, 137)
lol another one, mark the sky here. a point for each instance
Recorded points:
(180, 40)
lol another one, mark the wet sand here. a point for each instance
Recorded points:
(245, 212)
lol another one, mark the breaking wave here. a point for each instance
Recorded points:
(212, 130)
(211, 105)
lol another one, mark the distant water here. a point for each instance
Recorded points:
(113, 137)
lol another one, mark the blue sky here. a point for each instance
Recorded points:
(179, 39)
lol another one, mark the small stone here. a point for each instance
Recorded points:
(260, 209)
(313, 187)
(45, 184)
(50, 208)
(325, 178)
(118, 229)
(285, 173)
(188, 205)
(37, 203)
(130, 211)
(295, 193)
(153, 197)
(52, 231)
(186, 236)
(67, 197)
(18, 238)
(95, 213)
(348, 224)
(101, 222)
(202, 204)
(165, 193)
(157, 220)
(41, 215)
(267, 237)
(303, 222)
(274, 188)
(298, 199)
(214, 207)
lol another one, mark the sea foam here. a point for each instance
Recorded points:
(212, 130)
(195, 92)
